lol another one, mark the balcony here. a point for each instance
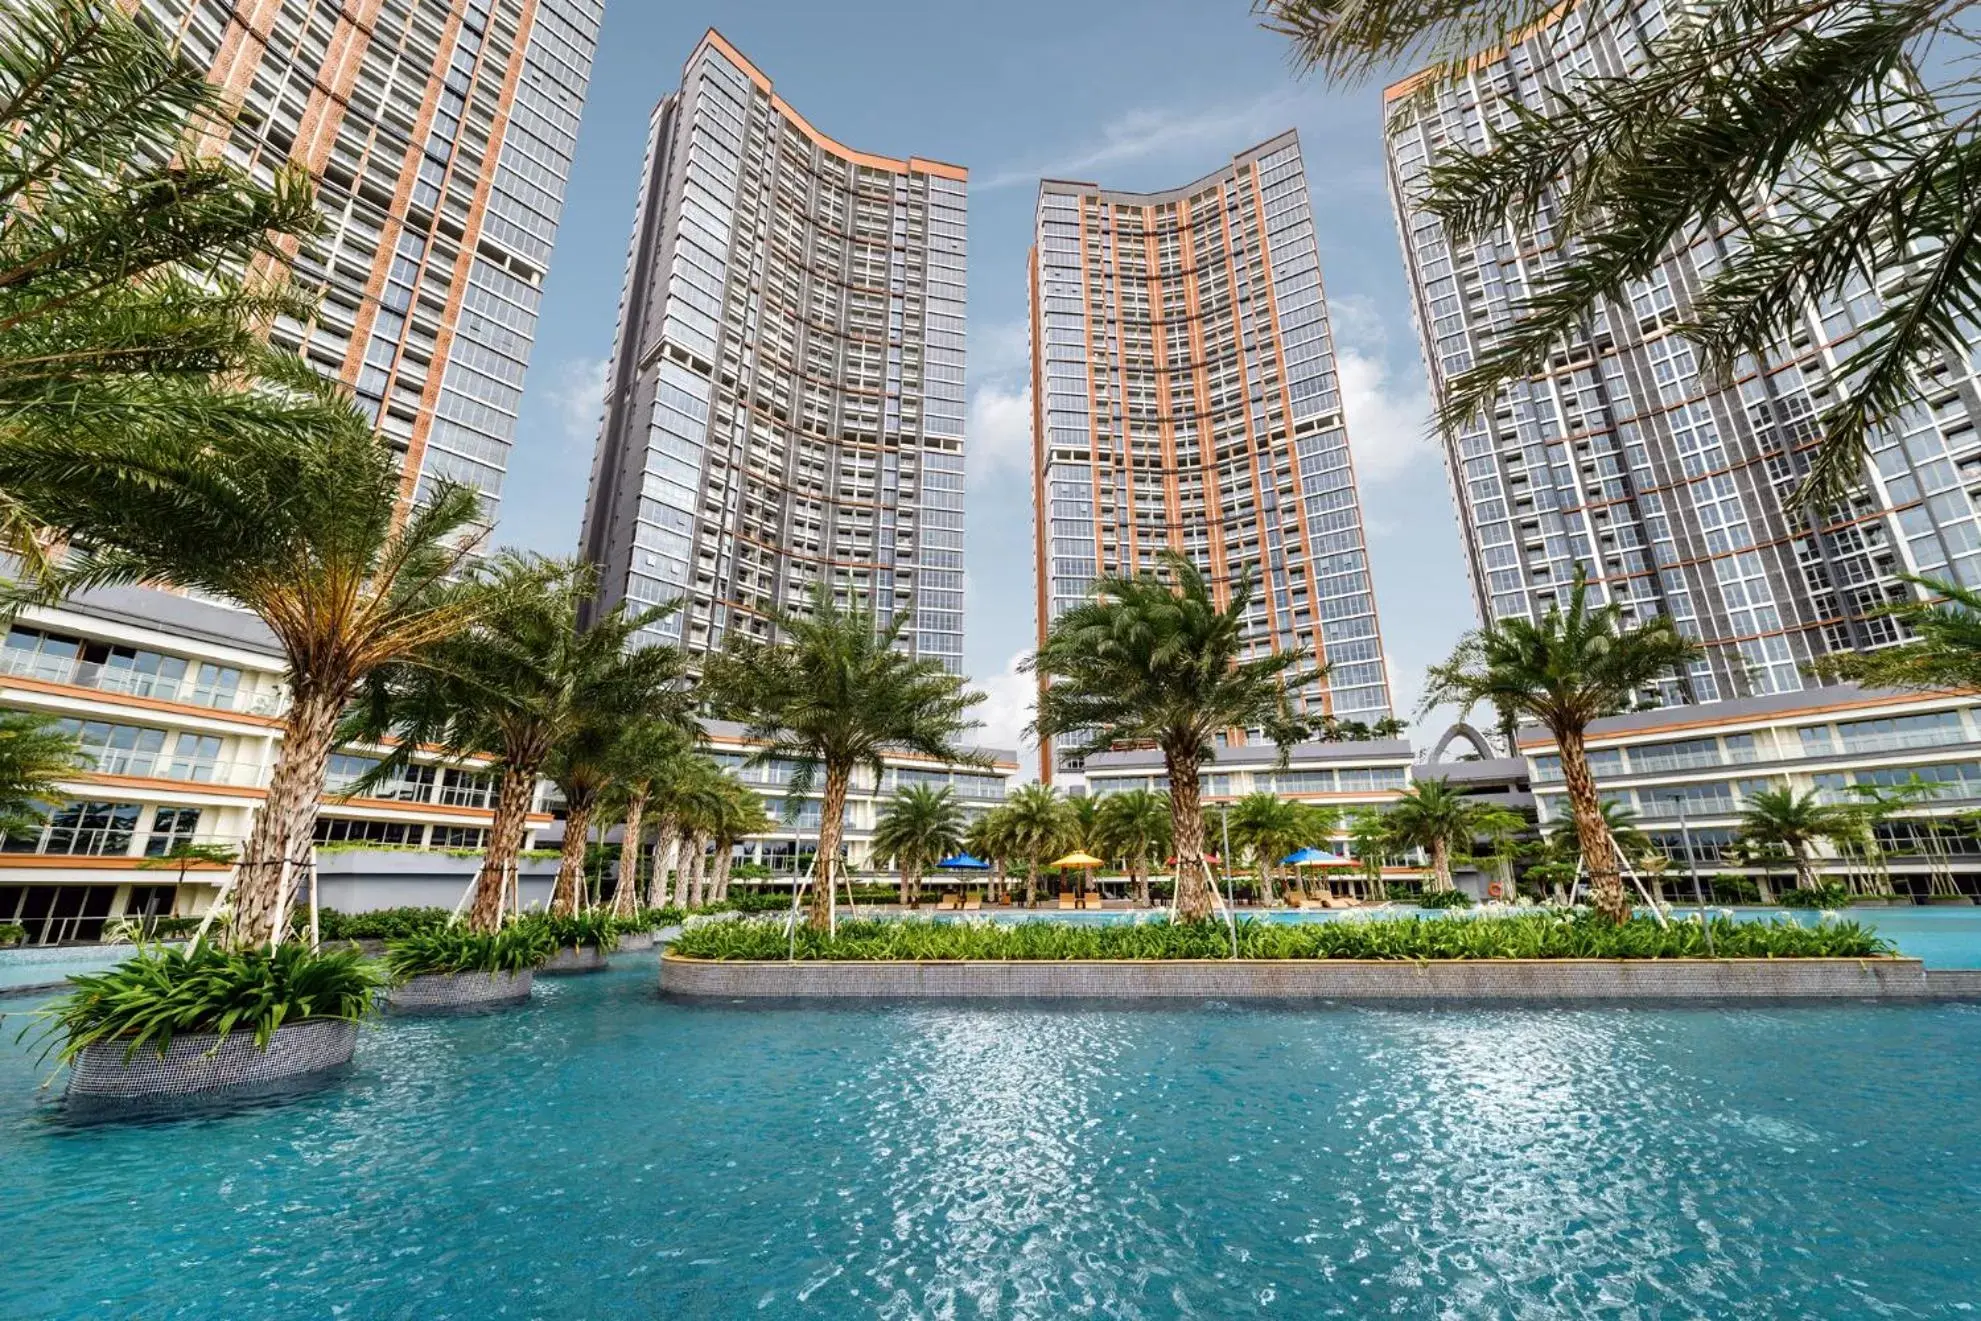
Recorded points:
(170, 766)
(132, 683)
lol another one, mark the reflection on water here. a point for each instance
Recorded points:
(603, 1153)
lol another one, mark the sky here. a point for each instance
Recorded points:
(1137, 96)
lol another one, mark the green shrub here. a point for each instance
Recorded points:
(1731, 889)
(516, 947)
(379, 924)
(1825, 894)
(651, 919)
(1552, 934)
(1401, 893)
(596, 927)
(1444, 899)
(161, 992)
(12, 933)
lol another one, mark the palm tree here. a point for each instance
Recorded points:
(834, 693)
(919, 827)
(1441, 820)
(1620, 823)
(739, 815)
(1827, 109)
(635, 685)
(698, 797)
(641, 759)
(1946, 654)
(34, 754)
(989, 837)
(1268, 827)
(1570, 668)
(123, 316)
(1795, 822)
(1134, 826)
(1370, 841)
(1155, 660)
(1036, 818)
(517, 686)
(679, 781)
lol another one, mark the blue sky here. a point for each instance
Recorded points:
(1138, 96)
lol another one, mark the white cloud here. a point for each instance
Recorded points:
(1388, 421)
(1160, 131)
(1000, 430)
(1001, 348)
(578, 396)
(1007, 710)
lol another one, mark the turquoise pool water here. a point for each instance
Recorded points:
(606, 1154)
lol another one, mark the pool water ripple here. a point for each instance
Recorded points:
(604, 1153)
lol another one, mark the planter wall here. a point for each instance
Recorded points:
(1458, 982)
(575, 958)
(636, 942)
(206, 1063)
(442, 993)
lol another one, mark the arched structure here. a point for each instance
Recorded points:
(1461, 730)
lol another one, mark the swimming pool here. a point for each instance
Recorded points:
(603, 1153)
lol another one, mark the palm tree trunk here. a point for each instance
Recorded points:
(1141, 872)
(1441, 866)
(902, 872)
(697, 868)
(623, 902)
(832, 822)
(505, 840)
(1186, 818)
(571, 862)
(1598, 849)
(725, 858)
(287, 818)
(1031, 884)
(1805, 871)
(683, 842)
(666, 845)
(914, 887)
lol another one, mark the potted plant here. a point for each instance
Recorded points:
(581, 941)
(455, 968)
(12, 933)
(171, 1022)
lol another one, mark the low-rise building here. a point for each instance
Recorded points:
(791, 847)
(177, 704)
(1689, 772)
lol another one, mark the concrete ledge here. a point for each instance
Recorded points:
(1954, 984)
(1457, 981)
(573, 959)
(203, 1062)
(443, 993)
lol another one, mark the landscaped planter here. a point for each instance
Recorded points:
(635, 942)
(203, 1063)
(460, 992)
(575, 958)
(1452, 981)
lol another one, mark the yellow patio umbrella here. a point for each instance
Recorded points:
(1078, 859)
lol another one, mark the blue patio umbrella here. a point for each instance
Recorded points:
(1313, 858)
(964, 862)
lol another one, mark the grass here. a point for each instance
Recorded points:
(515, 948)
(1546, 935)
(162, 993)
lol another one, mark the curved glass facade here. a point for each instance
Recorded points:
(1185, 396)
(785, 403)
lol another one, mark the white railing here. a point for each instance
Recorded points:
(172, 766)
(131, 683)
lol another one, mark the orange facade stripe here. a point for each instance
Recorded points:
(1763, 718)
(140, 703)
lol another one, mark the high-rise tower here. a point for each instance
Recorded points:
(785, 400)
(1184, 396)
(1672, 491)
(440, 134)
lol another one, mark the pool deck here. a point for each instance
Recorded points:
(1455, 981)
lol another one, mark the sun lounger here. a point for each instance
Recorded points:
(972, 904)
(1065, 900)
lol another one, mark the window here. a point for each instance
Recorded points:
(457, 837)
(81, 828)
(341, 830)
(171, 827)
